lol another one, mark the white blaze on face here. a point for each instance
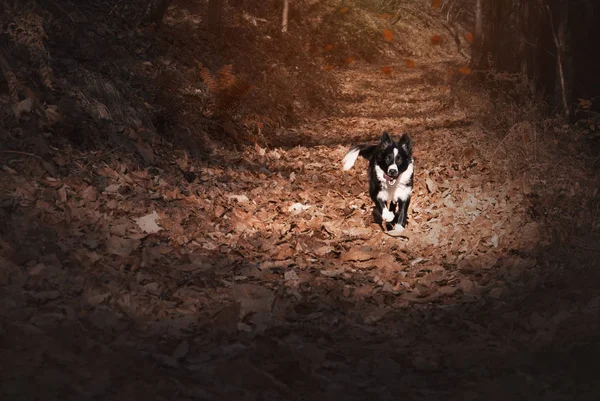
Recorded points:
(394, 166)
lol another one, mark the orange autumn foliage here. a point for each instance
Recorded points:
(436, 39)
(349, 60)
(469, 37)
(465, 70)
(435, 3)
(328, 67)
(410, 63)
(388, 35)
(387, 70)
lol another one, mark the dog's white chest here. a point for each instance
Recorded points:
(401, 190)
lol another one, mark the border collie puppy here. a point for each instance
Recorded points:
(390, 177)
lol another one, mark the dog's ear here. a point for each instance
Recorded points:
(405, 143)
(386, 140)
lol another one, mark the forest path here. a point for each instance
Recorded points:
(261, 275)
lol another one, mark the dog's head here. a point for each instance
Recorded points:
(394, 158)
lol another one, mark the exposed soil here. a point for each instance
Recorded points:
(259, 273)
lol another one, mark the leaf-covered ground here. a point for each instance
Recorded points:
(260, 274)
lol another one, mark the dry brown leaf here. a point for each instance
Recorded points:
(470, 287)
(324, 250)
(145, 151)
(90, 194)
(148, 223)
(181, 350)
(256, 300)
(62, 194)
(282, 252)
(121, 246)
(431, 185)
(465, 70)
(436, 40)
(388, 35)
(360, 232)
(23, 107)
(358, 255)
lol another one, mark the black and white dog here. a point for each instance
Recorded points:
(390, 177)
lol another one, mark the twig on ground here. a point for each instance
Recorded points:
(21, 153)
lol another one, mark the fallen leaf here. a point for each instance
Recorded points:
(148, 223)
(469, 37)
(181, 350)
(358, 255)
(52, 114)
(465, 70)
(62, 194)
(410, 63)
(470, 287)
(324, 250)
(9, 170)
(96, 298)
(239, 198)
(435, 3)
(37, 269)
(436, 39)
(112, 189)
(145, 151)
(90, 194)
(22, 107)
(349, 60)
(431, 186)
(388, 35)
(283, 252)
(360, 232)
(256, 300)
(328, 67)
(290, 276)
(121, 246)
(328, 48)
(50, 167)
(219, 211)
(298, 208)
(387, 70)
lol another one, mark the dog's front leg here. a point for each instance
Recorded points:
(393, 206)
(402, 216)
(386, 214)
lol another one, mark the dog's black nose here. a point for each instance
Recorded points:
(392, 172)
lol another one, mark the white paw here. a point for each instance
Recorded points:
(399, 228)
(387, 215)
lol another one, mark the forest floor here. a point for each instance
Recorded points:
(260, 274)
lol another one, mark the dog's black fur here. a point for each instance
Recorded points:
(391, 168)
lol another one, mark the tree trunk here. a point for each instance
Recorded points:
(477, 50)
(157, 10)
(284, 17)
(558, 33)
(215, 15)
